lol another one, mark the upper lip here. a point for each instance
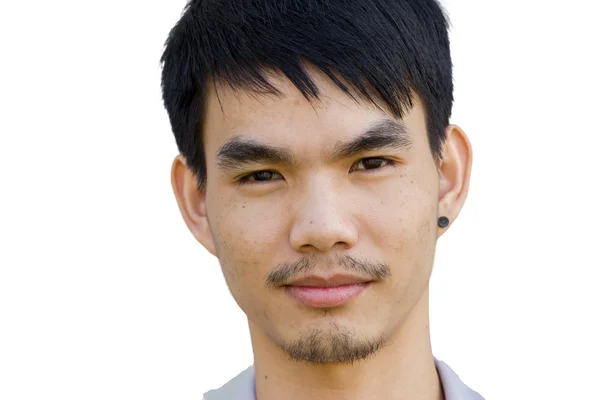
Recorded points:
(330, 281)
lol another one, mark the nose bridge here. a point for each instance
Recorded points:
(323, 218)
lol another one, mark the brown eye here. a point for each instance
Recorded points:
(263, 176)
(371, 163)
(259, 176)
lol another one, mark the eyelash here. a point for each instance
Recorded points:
(245, 180)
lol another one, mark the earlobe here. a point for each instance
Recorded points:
(192, 203)
(454, 173)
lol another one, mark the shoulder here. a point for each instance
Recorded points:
(454, 387)
(239, 388)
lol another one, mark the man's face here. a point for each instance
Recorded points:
(317, 202)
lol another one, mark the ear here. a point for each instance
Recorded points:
(192, 203)
(454, 173)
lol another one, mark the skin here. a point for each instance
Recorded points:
(321, 209)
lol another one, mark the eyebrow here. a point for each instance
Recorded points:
(238, 151)
(384, 134)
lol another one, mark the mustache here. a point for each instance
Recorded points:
(287, 271)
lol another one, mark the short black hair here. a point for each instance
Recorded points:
(381, 51)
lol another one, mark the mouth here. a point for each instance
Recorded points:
(320, 292)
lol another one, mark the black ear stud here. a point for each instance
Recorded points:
(443, 222)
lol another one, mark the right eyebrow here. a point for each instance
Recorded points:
(238, 152)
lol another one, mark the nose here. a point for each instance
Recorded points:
(322, 221)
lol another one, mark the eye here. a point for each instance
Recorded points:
(371, 163)
(259, 176)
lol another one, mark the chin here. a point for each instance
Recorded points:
(332, 344)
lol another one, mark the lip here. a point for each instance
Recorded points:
(320, 292)
(332, 281)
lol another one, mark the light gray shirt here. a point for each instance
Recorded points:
(242, 386)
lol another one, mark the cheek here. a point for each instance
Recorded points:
(407, 207)
(245, 236)
(405, 236)
(404, 219)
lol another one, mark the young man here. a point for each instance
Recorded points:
(318, 165)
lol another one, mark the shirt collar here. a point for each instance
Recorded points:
(242, 387)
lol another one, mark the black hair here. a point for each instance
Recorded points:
(380, 51)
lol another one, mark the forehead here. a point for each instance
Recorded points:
(289, 119)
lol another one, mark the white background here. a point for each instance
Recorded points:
(104, 294)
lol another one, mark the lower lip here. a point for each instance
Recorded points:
(325, 297)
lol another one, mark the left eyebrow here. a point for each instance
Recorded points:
(383, 134)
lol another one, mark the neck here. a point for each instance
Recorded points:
(403, 369)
